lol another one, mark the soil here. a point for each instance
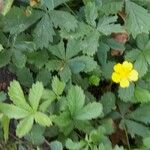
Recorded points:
(5, 78)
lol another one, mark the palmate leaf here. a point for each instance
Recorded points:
(24, 126)
(111, 6)
(57, 86)
(137, 20)
(90, 111)
(91, 13)
(35, 95)
(141, 114)
(142, 95)
(16, 94)
(51, 4)
(63, 20)
(75, 99)
(106, 25)
(12, 111)
(16, 21)
(44, 32)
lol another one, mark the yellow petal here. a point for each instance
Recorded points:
(118, 68)
(127, 65)
(133, 76)
(124, 83)
(115, 77)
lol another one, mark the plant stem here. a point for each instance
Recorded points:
(125, 129)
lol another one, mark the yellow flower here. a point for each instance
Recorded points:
(124, 74)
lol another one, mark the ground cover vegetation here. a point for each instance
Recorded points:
(74, 74)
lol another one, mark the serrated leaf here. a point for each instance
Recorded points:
(135, 128)
(74, 145)
(137, 20)
(73, 48)
(42, 119)
(25, 76)
(108, 102)
(141, 114)
(19, 59)
(142, 95)
(58, 50)
(12, 111)
(39, 59)
(44, 32)
(56, 145)
(106, 25)
(91, 13)
(35, 95)
(57, 86)
(16, 21)
(43, 76)
(85, 63)
(90, 44)
(111, 6)
(126, 94)
(54, 64)
(17, 96)
(24, 126)
(75, 99)
(64, 20)
(90, 111)
(5, 58)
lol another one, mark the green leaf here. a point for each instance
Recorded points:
(82, 63)
(5, 58)
(135, 128)
(51, 4)
(39, 59)
(64, 20)
(56, 145)
(74, 145)
(141, 114)
(73, 48)
(126, 94)
(106, 25)
(102, 53)
(7, 7)
(17, 96)
(25, 76)
(19, 59)
(43, 76)
(94, 80)
(3, 96)
(75, 99)
(91, 13)
(36, 136)
(42, 119)
(146, 142)
(35, 95)
(90, 43)
(12, 111)
(44, 32)
(111, 6)
(142, 95)
(108, 102)
(90, 111)
(16, 21)
(5, 125)
(137, 20)
(58, 50)
(24, 126)
(54, 64)
(57, 86)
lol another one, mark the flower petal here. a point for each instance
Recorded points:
(118, 68)
(133, 76)
(116, 77)
(127, 66)
(124, 83)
